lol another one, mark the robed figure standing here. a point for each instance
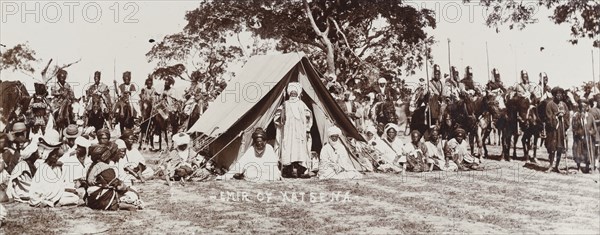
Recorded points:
(294, 120)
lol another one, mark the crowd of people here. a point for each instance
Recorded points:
(85, 165)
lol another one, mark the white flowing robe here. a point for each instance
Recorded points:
(335, 164)
(393, 152)
(294, 121)
(47, 186)
(263, 168)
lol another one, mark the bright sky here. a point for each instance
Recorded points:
(99, 44)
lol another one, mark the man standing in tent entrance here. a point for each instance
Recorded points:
(293, 120)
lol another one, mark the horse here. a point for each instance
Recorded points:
(147, 110)
(64, 116)
(94, 114)
(516, 112)
(532, 127)
(14, 95)
(125, 115)
(473, 114)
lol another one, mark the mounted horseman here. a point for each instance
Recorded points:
(452, 84)
(429, 105)
(63, 97)
(196, 100)
(124, 110)
(467, 84)
(148, 96)
(98, 104)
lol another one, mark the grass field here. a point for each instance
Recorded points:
(505, 198)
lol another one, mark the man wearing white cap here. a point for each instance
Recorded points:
(132, 164)
(76, 162)
(383, 92)
(293, 120)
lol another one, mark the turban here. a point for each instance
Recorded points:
(181, 139)
(391, 126)
(103, 132)
(259, 133)
(415, 132)
(334, 130)
(557, 90)
(82, 141)
(294, 86)
(382, 80)
(459, 132)
(99, 152)
(371, 129)
(126, 134)
(120, 144)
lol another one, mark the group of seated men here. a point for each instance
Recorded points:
(77, 167)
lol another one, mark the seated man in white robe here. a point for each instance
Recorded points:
(75, 164)
(48, 189)
(132, 165)
(393, 157)
(259, 163)
(335, 160)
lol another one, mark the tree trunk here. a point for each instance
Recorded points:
(323, 38)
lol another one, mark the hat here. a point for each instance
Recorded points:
(50, 140)
(259, 133)
(181, 139)
(334, 130)
(294, 86)
(19, 127)
(71, 131)
(459, 132)
(557, 90)
(371, 129)
(82, 141)
(126, 134)
(415, 131)
(79, 122)
(120, 144)
(103, 132)
(382, 80)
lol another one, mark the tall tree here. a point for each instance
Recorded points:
(348, 38)
(582, 15)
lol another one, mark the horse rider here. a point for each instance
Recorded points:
(546, 89)
(524, 89)
(436, 90)
(61, 90)
(125, 91)
(101, 90)
(147, 94)
(467, 84)
(496, 85)
(452, 90)
(39, 106)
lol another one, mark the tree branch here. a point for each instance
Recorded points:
(339, 30)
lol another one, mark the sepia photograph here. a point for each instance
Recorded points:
(300, 117)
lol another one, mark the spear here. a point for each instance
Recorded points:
(487, 54)
(593, 72)
(428, 90)
(449, 64)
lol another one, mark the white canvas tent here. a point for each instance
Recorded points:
(251, 99)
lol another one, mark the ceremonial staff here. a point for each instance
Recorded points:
(428, 90)
(449, 64)
(593, 73)
(487, 54)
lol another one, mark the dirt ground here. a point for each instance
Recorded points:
(507, 197)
